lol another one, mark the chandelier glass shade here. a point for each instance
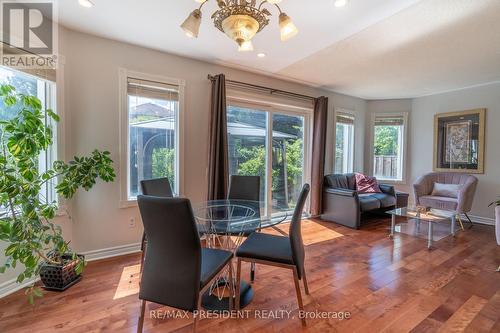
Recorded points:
(240, 20)
(240, 28)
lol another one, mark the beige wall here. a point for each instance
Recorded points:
(422, 120)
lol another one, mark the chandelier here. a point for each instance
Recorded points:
(240, 20)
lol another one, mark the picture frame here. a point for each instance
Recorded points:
(459, 141)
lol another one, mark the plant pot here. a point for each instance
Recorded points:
(60, 277)
(497, 225)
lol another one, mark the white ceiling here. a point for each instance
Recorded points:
(373, 49)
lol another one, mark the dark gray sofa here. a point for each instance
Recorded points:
(342, 204)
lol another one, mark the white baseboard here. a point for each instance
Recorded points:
(480, 219)
(11, 286)
(111, 251)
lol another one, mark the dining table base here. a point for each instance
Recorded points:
(210, 301)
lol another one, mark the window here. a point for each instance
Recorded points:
(153, 109)
(344, 143)
(388, 146)
(45, 91)
(269, 143)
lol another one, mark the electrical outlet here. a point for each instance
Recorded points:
(131, 222)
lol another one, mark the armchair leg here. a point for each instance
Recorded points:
(140, 323)
(299, 294)
(238, 282)
(468, 218)
(460, 221)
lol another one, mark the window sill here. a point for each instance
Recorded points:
(128, 203)
(391, 181)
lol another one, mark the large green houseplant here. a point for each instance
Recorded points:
(26, 222)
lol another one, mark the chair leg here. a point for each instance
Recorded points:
(460, 221)
(197, 315)
(299, 294)
(252, 272)
(140, 323)
(238, 282)
(231, 285)
(470, 221)
(304, 278)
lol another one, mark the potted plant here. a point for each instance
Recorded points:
(26, 222)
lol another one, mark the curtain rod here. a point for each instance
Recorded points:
(270, 90)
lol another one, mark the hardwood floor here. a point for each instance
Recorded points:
(386, 286)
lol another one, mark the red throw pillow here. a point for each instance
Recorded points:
(366, 184)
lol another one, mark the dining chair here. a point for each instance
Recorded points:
(158, 187)
(281, 251)
(177, 270)
(245, 188)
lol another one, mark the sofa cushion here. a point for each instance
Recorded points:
(438, 202)
(368, 202)
(446, 190)
(341, 181)
(386, 200)
(366, 184)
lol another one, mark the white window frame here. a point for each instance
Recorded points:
(124, 152)
(51, 98)
(260, 103)
(404, 146)
(352, 154)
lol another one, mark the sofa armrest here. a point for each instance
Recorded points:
(466, 195)
(420, 188)
(388, 189)
(341, 206)
(341, 191)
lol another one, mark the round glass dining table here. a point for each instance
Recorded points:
(224, 224)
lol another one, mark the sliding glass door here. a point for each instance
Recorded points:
(287, 160)
(270, 143)
(247, 144)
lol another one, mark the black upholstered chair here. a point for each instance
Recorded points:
(245, 188)
(280, 251)
(177, 270)
(159, 187)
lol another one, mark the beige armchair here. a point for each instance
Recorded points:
(461, 203)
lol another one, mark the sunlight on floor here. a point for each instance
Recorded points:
(312, 232)
(129, 282)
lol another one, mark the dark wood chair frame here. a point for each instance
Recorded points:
(275, 264)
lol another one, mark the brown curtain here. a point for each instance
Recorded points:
(318, 153)
(218, 165)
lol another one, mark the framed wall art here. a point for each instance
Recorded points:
(459, 141)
